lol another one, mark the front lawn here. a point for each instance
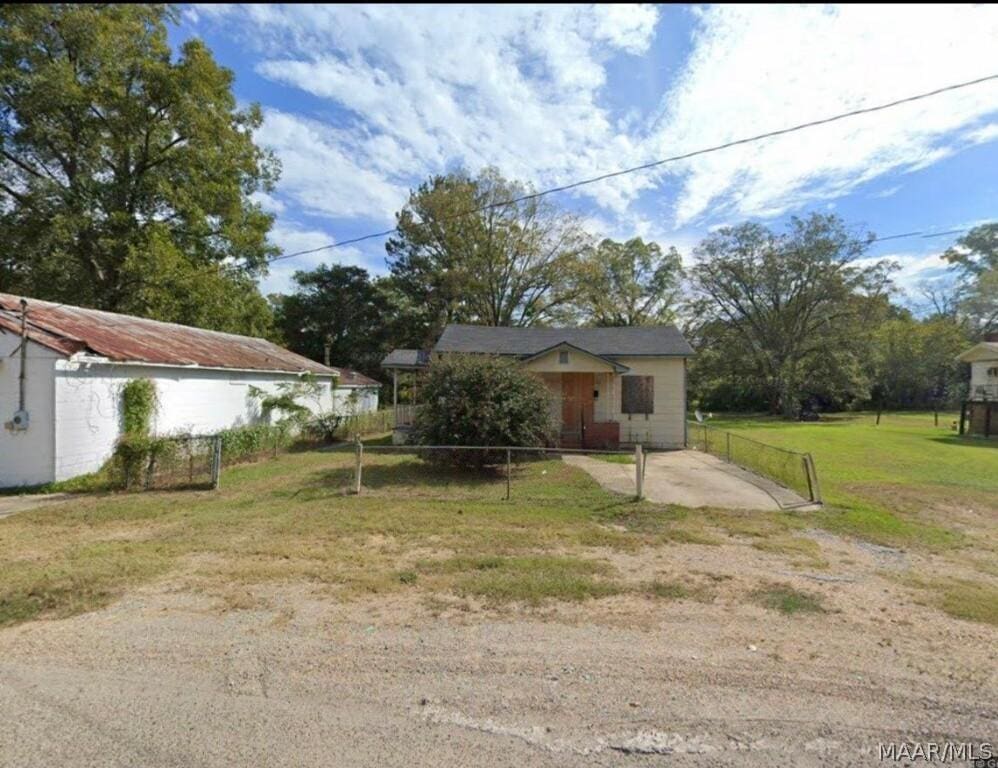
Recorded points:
(292, 519)
(904, 482)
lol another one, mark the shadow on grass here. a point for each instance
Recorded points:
(410, 476)
(970, 441)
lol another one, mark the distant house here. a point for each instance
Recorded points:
(979, 414)
(610, 386)
(78, 359)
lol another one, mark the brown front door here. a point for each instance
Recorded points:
(576, 408)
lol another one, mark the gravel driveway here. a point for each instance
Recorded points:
(170, 678)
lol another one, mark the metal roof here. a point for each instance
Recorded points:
(406, 358)
(652, 340)
(127, 339)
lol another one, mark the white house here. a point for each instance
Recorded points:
(609, 386)
(983, 359)
(76, 360)
(978, 415)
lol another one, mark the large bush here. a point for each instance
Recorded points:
(475, 400)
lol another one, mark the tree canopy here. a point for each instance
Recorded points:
(125, 172)
(510, 264)
(792, 305)
(630, 283)
(975, 259)
(338, 307)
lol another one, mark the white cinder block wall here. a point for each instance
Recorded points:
(197, 401)
(26, 457)
(76, 408)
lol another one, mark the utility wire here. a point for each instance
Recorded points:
(665, 160)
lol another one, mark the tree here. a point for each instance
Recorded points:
(914, 363)
(792, 303)
(631, 283)
(126, 174)
(481, 400)
(975, 260)
(512, 264)
(335, 309)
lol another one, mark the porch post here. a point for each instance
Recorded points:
(395, 397)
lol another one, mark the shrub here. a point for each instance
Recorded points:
(135, 455)
(240, 442)
(475, 400)
(138, 404)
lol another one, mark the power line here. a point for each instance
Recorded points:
(918, 234)
(663, 161)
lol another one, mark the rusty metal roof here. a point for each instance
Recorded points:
(127, 339)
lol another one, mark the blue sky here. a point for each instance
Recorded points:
(364, 102)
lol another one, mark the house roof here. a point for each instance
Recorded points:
(406, 358)
(985, 350)
(653, 340)
(126, 339)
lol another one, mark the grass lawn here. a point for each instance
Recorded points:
(902, 482)
(437, 532)
(291, 519)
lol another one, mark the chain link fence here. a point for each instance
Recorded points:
(791, 469)
(448, 472)
(180, 462)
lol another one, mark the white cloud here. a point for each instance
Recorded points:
(889, 192)
(290, 237)
(404, 92)
(321, 173)
(756, 69)
(419, 90)
(914, 270)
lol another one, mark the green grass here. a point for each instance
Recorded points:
(293, 519)
(969, 600)
(614, 458)
(787, 600)
(892, 483)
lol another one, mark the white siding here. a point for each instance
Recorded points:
(26, 457)
(979, 376)
(666, 427)
(88, 414)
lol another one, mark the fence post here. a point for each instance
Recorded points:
(639, 474)
(727, 436)
(216, 464)
(359, 468)
(150, 472)
(816, 496)
(509, 466)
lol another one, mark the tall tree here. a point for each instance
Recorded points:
(795, 302)
(630, 283)
(975, 259)
(339, 309)
(512, 264)
(126, 173)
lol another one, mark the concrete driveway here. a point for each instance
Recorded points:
(692, 479)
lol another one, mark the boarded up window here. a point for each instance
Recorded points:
(637, 394)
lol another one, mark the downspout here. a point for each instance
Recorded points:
(22, 378)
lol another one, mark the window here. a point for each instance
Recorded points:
(993, 373)
(637, 394)
(563, 357)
